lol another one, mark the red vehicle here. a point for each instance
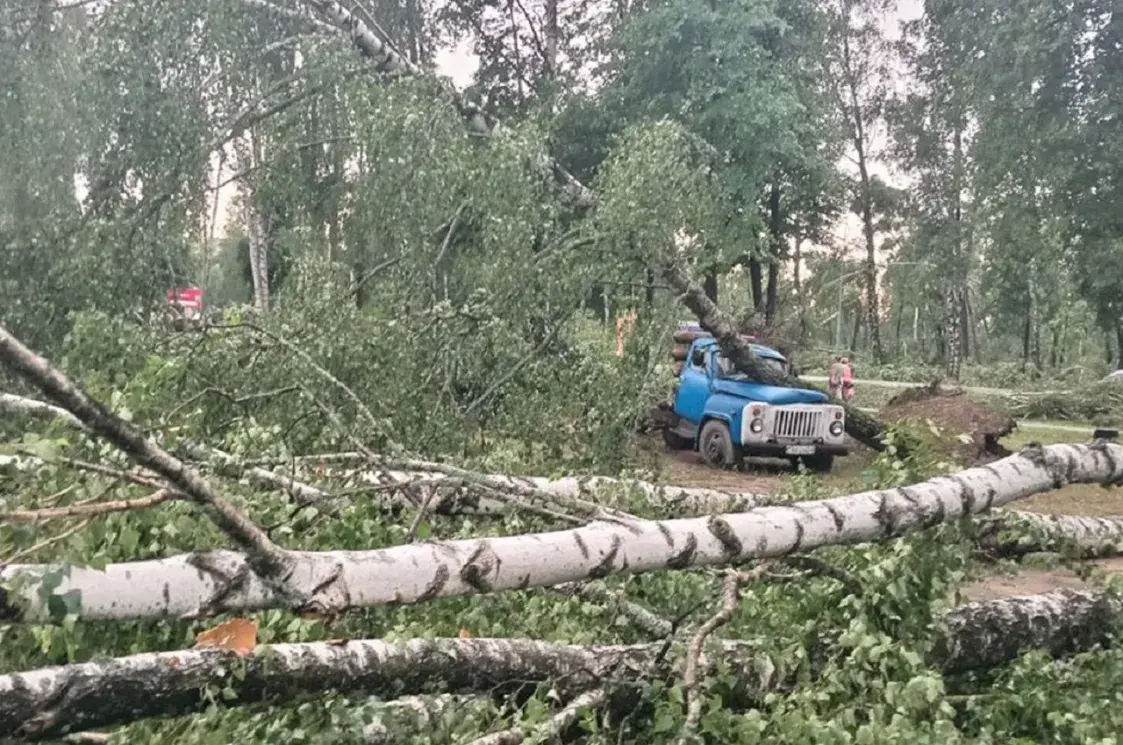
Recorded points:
(186, 304)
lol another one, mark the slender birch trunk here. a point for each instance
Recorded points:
(205, 583)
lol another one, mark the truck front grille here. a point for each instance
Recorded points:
(799, 423)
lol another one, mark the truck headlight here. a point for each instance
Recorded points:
(756, 425)
(836, 427)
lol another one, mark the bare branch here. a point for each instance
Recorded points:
(690, 684)
(88, 510)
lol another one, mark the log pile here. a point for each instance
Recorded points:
(685, 335)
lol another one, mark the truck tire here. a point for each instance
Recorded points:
(716, 445)
(675, 441)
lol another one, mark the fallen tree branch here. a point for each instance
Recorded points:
(1016, 533)
(552, 727)
(270, 562)
(584, 491)
(88, 510)
(388, 60)
(425, 571)
(989, 633)
(730, 597)
(52, 701)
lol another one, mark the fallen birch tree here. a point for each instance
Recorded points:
(52, 701)
(201, 583)
(459, 490)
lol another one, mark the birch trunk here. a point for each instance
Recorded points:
(990, 633)
(213, 582)
(1009, 533)
(452, 499)
(1016, 533)
(247, 155)
(52, 701)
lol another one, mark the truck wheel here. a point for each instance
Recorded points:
(675, 441)
(717, 447)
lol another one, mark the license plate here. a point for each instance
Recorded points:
(800, 450)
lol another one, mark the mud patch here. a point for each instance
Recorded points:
(1035, 581)
(686, 468)
(970, 430)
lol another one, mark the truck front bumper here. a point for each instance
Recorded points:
(781, 450)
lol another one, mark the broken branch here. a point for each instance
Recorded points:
(269, 560)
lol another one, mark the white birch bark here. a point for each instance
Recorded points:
(454, 499)
(1015, 533)
(246, 156)
(52, 701)
(92, 695)
(217, 581)
(989, 633)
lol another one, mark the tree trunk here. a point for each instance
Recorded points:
(771, 296)
(247, 153)
(865, 196)
(1119, 342)
(551, 32)
(954, 325)
(104, 693)
(710, 286)
(776, 251)
(224, 581)
(797, 285)
(756, 284)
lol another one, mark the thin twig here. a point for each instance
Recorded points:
(729, 598)
(311, 362)
(420, 514)
(643, 618)
(88, 510)
(45, 543)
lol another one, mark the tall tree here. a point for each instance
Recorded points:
(858, 66)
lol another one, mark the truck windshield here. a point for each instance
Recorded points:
(727, 370)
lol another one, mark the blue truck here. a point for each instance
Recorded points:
(726, 416)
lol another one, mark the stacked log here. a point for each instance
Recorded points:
(684, 335)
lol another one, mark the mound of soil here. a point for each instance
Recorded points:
(955, 415)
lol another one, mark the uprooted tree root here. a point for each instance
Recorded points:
(956, 415)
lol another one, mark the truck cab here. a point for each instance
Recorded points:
(723, 414)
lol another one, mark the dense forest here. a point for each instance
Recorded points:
(396, 483)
